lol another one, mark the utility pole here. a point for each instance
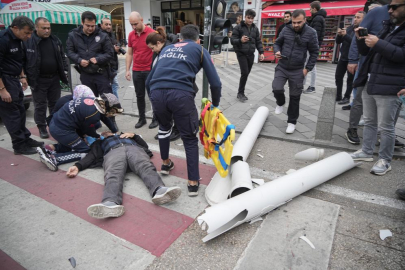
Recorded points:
(207, 33)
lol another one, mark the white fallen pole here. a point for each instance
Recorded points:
(259, 201)
(241, 179)
(247, 139)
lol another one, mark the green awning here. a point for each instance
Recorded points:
(55, 13)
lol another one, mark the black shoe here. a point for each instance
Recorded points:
(175, 135)
(25, 150)
(344, 101)
(193, 190)
(156, 137)
(154, 123)
(309, 90)
(401, 193)
(33, 143)
(398, 144)
(352, 136)
(165, 169)
(241, 97)
(141, 123)
(43, 133)
(347, 107)
(338, 99)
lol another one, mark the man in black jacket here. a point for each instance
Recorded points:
(46, 66)
(117, 154)
(287, 20)
(383, 76)
(245, 40)
(344, 37)
(13, 82)
(291, 49)
(89, 48)
(317, 23)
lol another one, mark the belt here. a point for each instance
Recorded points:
(117, 146)
(47, 75)
(11, 76)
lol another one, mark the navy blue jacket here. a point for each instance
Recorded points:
(79, 114)
(12, 56)
(295, 46)
(385, 62)
(373, 22)
(177, 66)
(80, 47)
(345, 40)
(34, 59)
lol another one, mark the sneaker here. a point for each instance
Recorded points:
(33, 143)
(359, 155)
(141, 123)
(154, 123)
(25, 150)
(167, 195)
(344, 101)
(279, 109)
(290, 128)
(193, 190)
(361, 122)
(165, 169)
(400, 193)
(398, 144)
(309, 90)
(43, 133)
(242, 97)
(48, 160)
(381, 167)
(352, 137)
(347, 107)
(105, 210)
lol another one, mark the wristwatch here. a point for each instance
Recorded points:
(2, 88)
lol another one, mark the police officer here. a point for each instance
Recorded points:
(46, 66)
(89, 48)
(172, 95)
(12, 110)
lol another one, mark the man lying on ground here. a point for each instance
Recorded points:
(117, 153)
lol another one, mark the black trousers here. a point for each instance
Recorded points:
(245, 64)
(13, 114)
(139, 79)
(341, 69)
(98, 83)
(45, 95)
(293, 111)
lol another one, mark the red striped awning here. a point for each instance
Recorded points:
(332, 8)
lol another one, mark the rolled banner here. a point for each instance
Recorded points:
(259, 201)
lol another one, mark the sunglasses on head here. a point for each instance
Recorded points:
(394, 7)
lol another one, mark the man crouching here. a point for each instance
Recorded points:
(119, 153)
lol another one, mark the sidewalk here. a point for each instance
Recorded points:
(259, 92)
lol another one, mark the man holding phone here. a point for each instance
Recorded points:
(245, 40)
(291, 49)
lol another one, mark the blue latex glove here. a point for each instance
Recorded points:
(402, 98)
(101, 137)
(90, 140)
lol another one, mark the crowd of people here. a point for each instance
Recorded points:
(164, 69)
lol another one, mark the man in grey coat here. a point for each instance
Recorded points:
(291, 49)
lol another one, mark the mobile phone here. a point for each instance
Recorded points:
(284, 57)
(341, 25)
(363, 32)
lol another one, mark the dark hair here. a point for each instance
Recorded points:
(382, 2)
(298, 12)
(37, 20)
(316, 5)
(362, 12)
(102, 20)
(22, 21)
(89, 16)
(190, 31)
(250, 12)
(158, 35)
(287, 12)
(235, 4)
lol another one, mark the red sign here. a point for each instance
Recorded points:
(19, 6)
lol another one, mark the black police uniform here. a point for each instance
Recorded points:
(11, 65)
(80, 47)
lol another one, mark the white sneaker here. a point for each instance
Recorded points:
(290, 128)
(279, 109)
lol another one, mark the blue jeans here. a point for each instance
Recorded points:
(115, 86)
(379, 113)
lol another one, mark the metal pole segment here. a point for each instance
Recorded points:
(207, 33)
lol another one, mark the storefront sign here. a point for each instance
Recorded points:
(155, 21)
(19, 6)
